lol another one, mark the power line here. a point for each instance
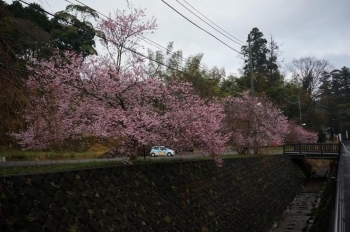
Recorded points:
(201, 28)
(126, 48)
(297, 102)
(47, 4)
(275, 89)
(147, 40)
(165, 50)
(208, 24)
(229, 38)
(213, 22)
(133, 51)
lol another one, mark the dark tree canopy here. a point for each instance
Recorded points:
(265, 65)
(205, 81)
(27, 32)
(71, 33)
(259, 52)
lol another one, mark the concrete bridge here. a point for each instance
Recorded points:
(341, 153)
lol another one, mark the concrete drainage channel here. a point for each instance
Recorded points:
(297, 218)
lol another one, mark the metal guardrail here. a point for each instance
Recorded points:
(320, 148)
(327, 148)
(339, 213)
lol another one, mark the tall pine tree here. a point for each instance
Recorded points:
(265, 66)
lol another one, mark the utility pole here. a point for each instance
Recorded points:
(251, 68)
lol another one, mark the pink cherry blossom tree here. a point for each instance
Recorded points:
(254, 122)
(107, 98)
(298, 134)
(122, 32)
(74, 98)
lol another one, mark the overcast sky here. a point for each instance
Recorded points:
(319, 28)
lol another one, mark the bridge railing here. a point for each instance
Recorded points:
(321, 148)
(339, 213)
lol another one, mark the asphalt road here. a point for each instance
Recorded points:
(49, 162)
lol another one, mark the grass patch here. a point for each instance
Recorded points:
(271, 150)
(19, 155)
(55, 167)
(93, 153)
(100, 164)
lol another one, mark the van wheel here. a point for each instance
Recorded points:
(169, 154)
(153, 155)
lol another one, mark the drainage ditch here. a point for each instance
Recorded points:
(300, 214)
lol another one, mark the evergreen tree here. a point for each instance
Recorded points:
(72, 33)
(259, 52)
(265, 66)
(334, 101)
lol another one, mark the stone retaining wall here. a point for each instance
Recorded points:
(246, 194)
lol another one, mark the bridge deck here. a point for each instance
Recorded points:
(312, 155)
(312, 150)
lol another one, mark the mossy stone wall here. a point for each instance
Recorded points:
(246, 194)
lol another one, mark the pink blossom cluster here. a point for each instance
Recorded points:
(123, 31)
(72, 97)
(254, 122)
(298, 134)
(107, 96)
